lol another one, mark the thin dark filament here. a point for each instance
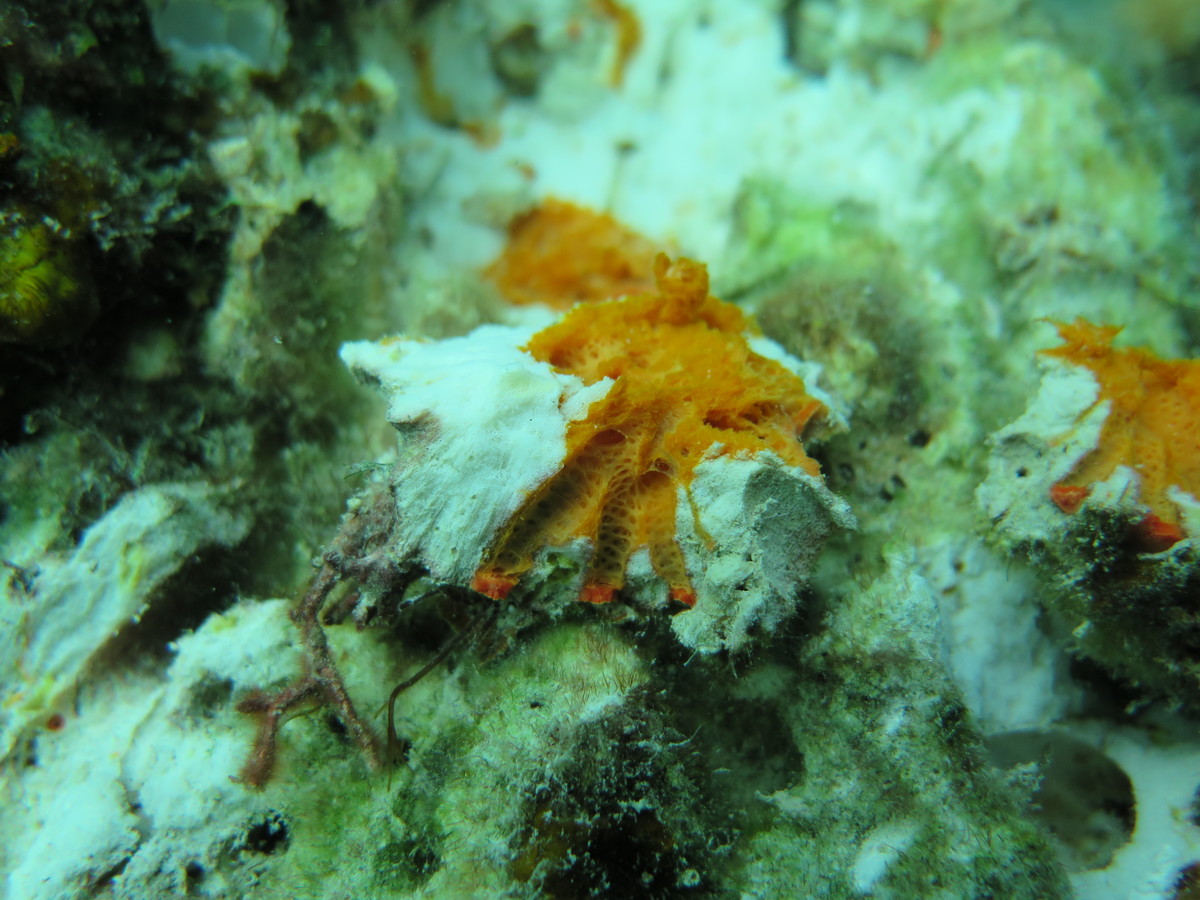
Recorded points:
(393, 740)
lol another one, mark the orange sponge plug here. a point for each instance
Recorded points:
(646, 448)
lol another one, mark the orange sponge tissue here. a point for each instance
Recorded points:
(559, 254)
(1153, 426)
(686, 386)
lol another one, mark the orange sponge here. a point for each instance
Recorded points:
(559, 254)
(1153, 426)
(686, 384)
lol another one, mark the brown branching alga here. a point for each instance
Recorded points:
(358, 554)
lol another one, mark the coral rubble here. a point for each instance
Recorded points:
(66, 613)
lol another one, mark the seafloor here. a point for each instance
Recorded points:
(958, 675)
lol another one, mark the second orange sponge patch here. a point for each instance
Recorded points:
(1153, 425)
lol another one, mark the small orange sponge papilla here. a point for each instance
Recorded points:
(685, 384)
(1153, 426)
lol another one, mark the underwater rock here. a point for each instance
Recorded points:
(656, 458)
(132, 796)
(563, 57)
(64, 611)
(895, 794)
(1150, 428)
(1096, 481)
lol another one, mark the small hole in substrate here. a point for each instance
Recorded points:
(653, 479)
(609, 437)
(269, 836)
(208, 696)
(920, 438)
(335, 725)
(1105, 695)
(1085, 799)
(422, 8)
(519, 60)
(318, 131)
(204, 584)
(1022, 472)
(193, 873)
(25, 753)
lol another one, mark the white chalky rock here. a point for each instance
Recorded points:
(482, 425)
(1039, 449)
(72, 607)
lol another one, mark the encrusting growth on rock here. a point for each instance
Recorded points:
(1153, 426)
(686, 386)
(647, 444)
(1097, 483)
